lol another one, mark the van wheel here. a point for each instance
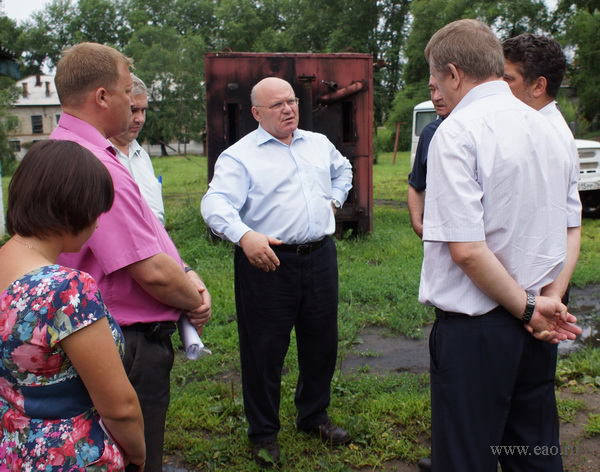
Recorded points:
(590, 201)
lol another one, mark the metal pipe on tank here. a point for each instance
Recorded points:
(341, 93)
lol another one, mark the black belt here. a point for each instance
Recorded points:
(303, 249)
(450, 314)
(154, 331)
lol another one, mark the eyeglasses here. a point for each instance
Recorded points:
(291, 102)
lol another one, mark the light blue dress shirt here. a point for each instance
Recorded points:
(281, 191)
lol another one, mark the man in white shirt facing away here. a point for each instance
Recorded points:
(133, 156)
(534, 67)
(495, 244)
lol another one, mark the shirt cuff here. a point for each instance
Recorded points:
(235, 232)
(339, 195)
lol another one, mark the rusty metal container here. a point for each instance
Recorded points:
(336, 99)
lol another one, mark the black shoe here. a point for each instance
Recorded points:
(266, 454)
(424, 464)
(331, 434)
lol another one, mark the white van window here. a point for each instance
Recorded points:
(422, 119)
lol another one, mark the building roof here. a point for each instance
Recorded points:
(8, 64)
(40, 90)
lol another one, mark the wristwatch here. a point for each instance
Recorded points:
(529, 307)
(187, 269)
(336, 204)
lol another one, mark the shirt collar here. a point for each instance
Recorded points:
(263, 136)
(548, 109)
(86, 131)
(134, 148)
(494, 87)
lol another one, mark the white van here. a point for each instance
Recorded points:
(589, 176)
(423, 114)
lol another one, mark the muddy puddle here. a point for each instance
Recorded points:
(376, 350)
(585, 305)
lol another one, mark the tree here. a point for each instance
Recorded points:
(47, 34)
(581, 20)
(172, 65)
(9, 34)
(8, 123)
(510, 18)
(506, 17)
(239, 24)
(99, 21)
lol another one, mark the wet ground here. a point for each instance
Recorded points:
(585, 305)
(383, 352)
(380, 352)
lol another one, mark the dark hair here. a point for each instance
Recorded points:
(537, 56)
(59, 188)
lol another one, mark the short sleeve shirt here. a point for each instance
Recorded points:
(497, 172)
(128, 233)
(554, 116)
(48, 419)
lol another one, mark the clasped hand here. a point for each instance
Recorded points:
(551, 322)
(199, 316)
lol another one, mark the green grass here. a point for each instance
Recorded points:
(581, 367)
(568, 409)
(388, 416)
(592, 428)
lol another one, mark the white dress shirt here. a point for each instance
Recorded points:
(281, 191)
(140, 167)
(497, 172)
(553, 114)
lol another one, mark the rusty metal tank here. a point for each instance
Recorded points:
(336, 99)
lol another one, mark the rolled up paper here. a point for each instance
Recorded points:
(192, 344)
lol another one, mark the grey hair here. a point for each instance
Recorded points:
(139, 87)
(253, 96)
(468, 44)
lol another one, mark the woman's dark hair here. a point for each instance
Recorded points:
(59, 188)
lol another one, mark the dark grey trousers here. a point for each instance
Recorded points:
(148, 365)
(492, 384)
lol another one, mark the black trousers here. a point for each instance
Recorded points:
(302, 294)
(492, 384)
(148, 365)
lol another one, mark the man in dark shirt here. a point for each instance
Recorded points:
(416, 179)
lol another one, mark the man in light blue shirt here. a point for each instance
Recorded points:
(275, 193)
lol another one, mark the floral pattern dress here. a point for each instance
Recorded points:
(47, 418)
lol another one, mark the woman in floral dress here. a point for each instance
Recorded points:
(61, 370)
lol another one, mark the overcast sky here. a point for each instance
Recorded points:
(20, 10)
